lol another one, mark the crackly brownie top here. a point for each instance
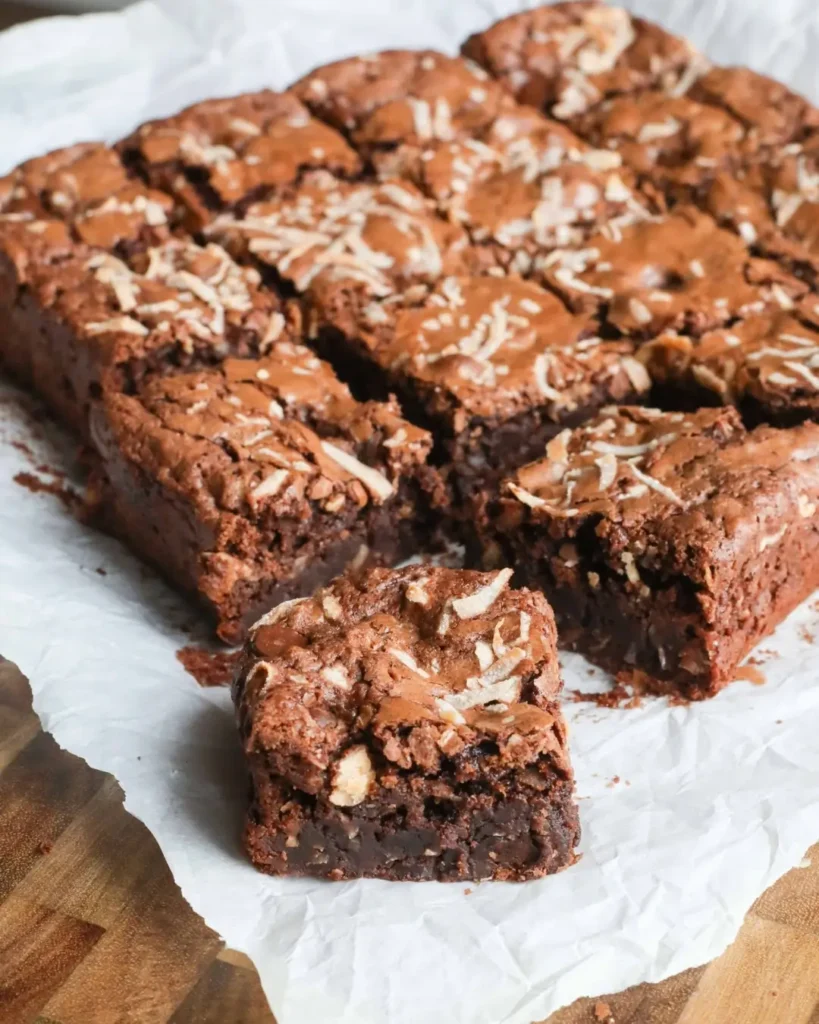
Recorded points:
(772, 357)
(87, 186)
(492, 347)
(242, 143)
(777, 196)
(178, 293)
(569, 56)
(410, 667)
(666, 137)
(773, 114)
(403, 96)
(380, 235)
(677, 491)
(680, 271)
(277, 437)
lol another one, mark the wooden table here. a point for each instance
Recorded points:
(93, 929)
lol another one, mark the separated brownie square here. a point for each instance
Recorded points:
(493, 366)
(767, 364)
(667, 543)
(402, 725)
(222, 153)
(678, 272)
(567, 57)
(256, 481)
(81, 320)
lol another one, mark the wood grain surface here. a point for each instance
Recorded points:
(93, 929)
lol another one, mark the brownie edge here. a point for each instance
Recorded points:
(403, 725)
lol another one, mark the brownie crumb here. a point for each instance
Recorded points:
(69, 498)
(209, 668)
(751, 674)
(45, 847)
(100, 571)
(602, 1012)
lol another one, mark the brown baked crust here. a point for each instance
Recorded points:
(668, 543)
(403, 725)
(257, 480)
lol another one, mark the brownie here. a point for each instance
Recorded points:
(767, 364)
(403, 725)
(678, 272)
(384, 235)
(256, 481)
(89, 188)
(493, 366)
(774, 205)
(674, 142)
(773, 114)
(82, 321)
(221, 153)
(667, 543)
(567, 57)
(403, 98)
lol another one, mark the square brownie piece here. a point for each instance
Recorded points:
(767, 364)
(403, 98)
(88, 187)
(678, 272)
(672, 141)
(79, 320)
(384, 235)
(773, 114)
(403, 725)
(256, 481)
(493, 366)
(222, 153)
(567, 57)
(667, 543)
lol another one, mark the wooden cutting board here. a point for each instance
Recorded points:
(93, 929)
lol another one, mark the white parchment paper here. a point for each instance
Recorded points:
(712, 802)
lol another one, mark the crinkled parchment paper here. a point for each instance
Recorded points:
(713, 803)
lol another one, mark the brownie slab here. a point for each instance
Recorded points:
(493, 366)
(567, 57)
(81, 320)
(402, 725)
(256, 481)
(221, 153)
(667, 543)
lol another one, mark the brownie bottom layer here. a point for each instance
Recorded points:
(509, 832)
(671, 637)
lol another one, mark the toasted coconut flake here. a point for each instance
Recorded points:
(636, 373)
(416, 592)
(271, 484)
(705, 375)
(448, 712)
(482, 600)
(126, 324)
(484, 654)
(376, 483)
(337, 675)
(656, 485)
(772, 538)
(408, 661)
(607, 464)
(807, 508)
(526, 497)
